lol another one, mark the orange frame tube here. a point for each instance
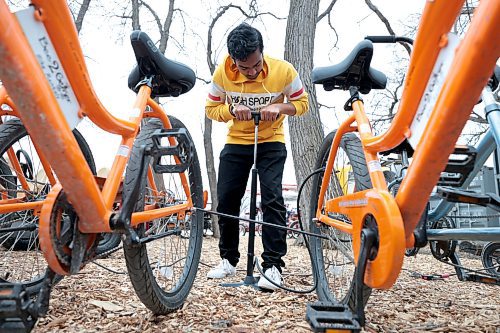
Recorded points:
(58, 21)
(437, 20)
(40, 111)
(471, 69)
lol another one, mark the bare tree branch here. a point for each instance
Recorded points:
(220, 13)
(333, 29)
(326, 106)
(475, 117)
(155, 16)
(203, 79)
(395, 98)
(81, 14)
(326, 12)
(384, 20)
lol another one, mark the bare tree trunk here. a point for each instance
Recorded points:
(166, 27)
(81, 15)
(212, 174)
(136, 25)
(306, 132)
(164, 34)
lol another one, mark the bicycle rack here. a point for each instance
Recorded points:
(450, 194)
(460, 165)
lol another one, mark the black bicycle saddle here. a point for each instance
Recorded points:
(353, 71)
(170, 78)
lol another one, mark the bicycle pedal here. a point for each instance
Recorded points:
(15, 309)
(183, 151)
(326, 316)
(451, 194)
(482, 279)
(460, 165)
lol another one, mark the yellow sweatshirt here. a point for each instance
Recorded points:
(277, 80)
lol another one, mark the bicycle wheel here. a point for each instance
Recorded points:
(108, 242)
(20, 256)
(491, 258)
(162, 272)
(333, 258)
(443, 249)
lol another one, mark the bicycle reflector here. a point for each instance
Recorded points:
(175, 146)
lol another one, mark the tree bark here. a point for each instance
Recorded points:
(81, 15)
(306, 132)
(166, 27)
(212, 174)
(136, 25)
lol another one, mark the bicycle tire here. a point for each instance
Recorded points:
(490, 257)
(108, 242)
(14, 134)
(145, 281)
(350, 147)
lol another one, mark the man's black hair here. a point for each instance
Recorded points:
(243, 41)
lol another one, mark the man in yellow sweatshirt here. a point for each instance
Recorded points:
(246, 81)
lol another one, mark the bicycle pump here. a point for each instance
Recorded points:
(250, 280)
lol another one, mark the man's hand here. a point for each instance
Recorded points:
(242, 112)
(270, 112)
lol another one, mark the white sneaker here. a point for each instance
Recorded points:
(272, 274)
(222, 270)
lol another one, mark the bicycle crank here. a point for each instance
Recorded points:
(65, 248)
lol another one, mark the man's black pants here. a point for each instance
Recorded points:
(235, 164)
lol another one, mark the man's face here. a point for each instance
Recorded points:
(252, 66)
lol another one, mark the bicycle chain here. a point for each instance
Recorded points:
(106, 253)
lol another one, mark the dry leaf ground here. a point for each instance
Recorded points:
(99, 301)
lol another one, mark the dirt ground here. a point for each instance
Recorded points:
(100, 301)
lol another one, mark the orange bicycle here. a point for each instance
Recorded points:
(368, 228)
(43, 69)
(25, 176)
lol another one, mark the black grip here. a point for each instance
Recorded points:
(382, 39)
(256, 117)
(389, 39)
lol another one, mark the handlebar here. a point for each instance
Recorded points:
(256, 117)
(390, 39)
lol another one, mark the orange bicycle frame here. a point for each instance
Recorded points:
(470, 70)
(45, 122)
